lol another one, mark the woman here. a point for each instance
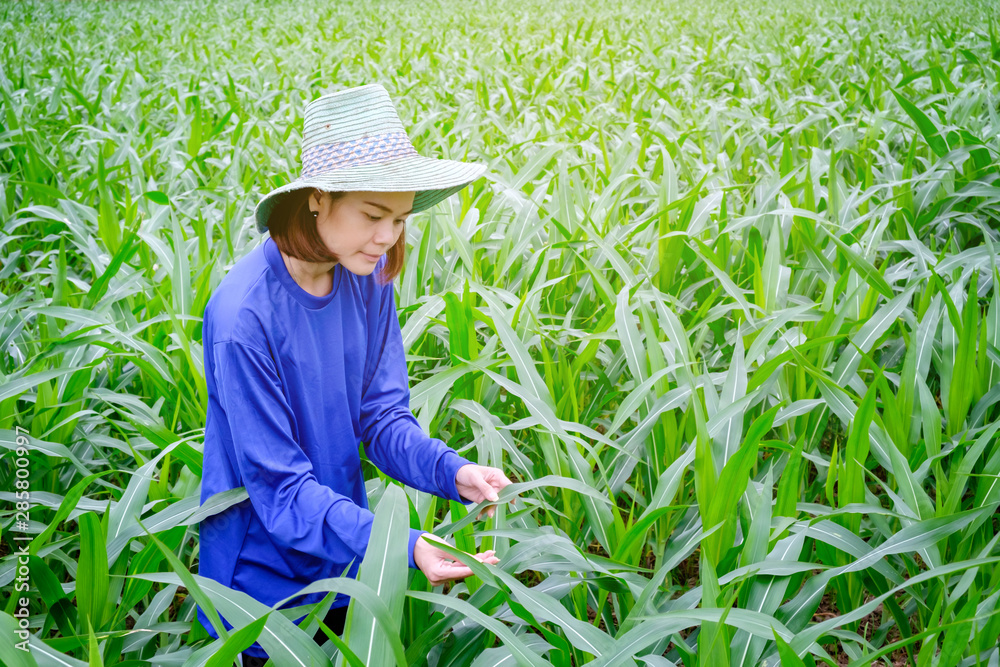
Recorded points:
(304, 360)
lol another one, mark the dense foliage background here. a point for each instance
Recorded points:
(726, 308)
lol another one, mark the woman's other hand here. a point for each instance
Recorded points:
(478, 483)
(439, 566)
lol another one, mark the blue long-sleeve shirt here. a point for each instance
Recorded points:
(295, 383)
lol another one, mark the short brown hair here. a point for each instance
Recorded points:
(293, 229)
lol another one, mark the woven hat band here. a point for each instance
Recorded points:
(374, 149)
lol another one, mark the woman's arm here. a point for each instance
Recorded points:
(297, 510)
(394, 440)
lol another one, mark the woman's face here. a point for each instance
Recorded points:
(360, 227)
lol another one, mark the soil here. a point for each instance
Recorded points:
(176, 603)
(868, 626)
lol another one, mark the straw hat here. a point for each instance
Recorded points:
(353, 140)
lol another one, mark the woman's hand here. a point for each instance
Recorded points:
(439, 566)
(478, 483)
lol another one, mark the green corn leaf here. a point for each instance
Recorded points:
(284, 641)
(92, 574)
(805, 638)
(239, 641)
(12, 651)
(963, 378)
(927, 128)
(785, 652)
(384, 571)
(580, 634)
(676, 552)
(959, 478)
(522, 654)
(734, 478)
(657, 626)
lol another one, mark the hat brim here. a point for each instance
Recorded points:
(433, 180)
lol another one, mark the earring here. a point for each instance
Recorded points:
(315, 214)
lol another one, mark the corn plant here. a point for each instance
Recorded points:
(726, 308)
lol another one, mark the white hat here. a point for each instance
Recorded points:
(353, 140)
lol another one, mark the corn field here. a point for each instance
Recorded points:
(726, 309)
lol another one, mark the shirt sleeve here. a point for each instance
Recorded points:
(296, 509)
(394, 440)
